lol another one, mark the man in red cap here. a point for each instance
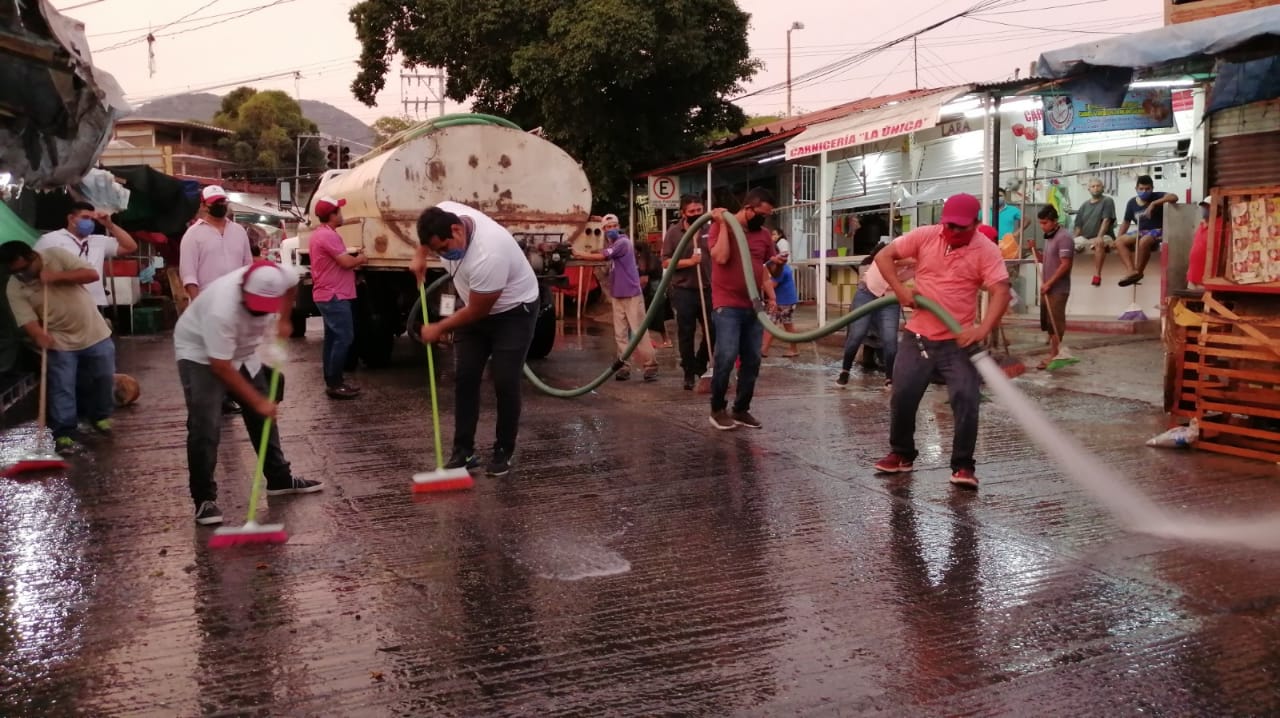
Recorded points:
(333, 280)
(950, 269)
(216, 342)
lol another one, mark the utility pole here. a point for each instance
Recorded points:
(915, 53)
(433, 99)
(794, 26)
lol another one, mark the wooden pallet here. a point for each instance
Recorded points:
(1230, 378)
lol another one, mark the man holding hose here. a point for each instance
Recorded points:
(499, 296)
(950, 269)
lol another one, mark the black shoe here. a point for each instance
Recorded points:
(500, 464)
(689, 380)
(650, 377)
(342, 391)
(208, 514)
(298, 486)
(1131, 279)
(843, 378)
(462, 459)
(622, 375)
(744, 418)
(229, 406)
(721, 420)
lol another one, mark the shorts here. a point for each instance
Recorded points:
(1155, 234)
(783, 314)
(1057, 304)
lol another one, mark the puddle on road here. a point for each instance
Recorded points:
(568, 558)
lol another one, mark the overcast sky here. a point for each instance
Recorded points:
(215, 47)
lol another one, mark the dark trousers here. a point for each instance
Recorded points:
(339, 334)
(504, 338)
(738, 337)
(81, 383)
(911, 374)
(886, 323)
(204, 393)
(684, 300)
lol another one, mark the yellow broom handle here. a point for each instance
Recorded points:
(44, 358)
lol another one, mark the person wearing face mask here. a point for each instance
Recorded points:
(213, 245)
(215, 343)
(1095, 221)
(627, 295)
(687, 294)
(499, 295)
(1008, 220)
(739, 334)
(951, 266)
(77, 338)
(1147, 209)
(80, 237)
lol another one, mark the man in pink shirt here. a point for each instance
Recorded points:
(950, 269)
(213, 246)
(333, 281)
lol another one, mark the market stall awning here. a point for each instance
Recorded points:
(874, 125)
(1239, 48)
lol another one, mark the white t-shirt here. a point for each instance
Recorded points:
(217, 326)
(493, 262)
(96, 248)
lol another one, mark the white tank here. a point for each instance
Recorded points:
(527, 184)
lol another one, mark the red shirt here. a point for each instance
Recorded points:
(728, 287)
(949, 276)
(329, 280)
(1199, 253)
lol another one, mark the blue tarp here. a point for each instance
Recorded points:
(1100, 71)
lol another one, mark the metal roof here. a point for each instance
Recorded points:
(189, 124)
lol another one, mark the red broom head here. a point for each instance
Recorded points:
(459, 484)
(247, 539)
(31, 466)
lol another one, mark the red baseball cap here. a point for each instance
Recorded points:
(264, 286)
(961, 209)
(326, 205)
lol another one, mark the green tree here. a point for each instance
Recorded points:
(266, 126)
(622, 85)
(384, 128)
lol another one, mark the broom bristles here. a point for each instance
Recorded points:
(248, 534)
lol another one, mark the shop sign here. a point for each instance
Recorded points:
(1146, 109)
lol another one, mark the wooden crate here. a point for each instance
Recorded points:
(1231, 376)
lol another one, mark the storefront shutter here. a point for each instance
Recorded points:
(883, 169)
(959, 155)
(1245, 146)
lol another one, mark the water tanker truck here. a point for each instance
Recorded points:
(525, 183)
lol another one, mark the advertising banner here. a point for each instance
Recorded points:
(1146, 109)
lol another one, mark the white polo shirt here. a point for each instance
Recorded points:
(217, 326)
(493, 262)
(93, 249)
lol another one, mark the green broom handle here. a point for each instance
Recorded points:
(262, 448)
(431, 375)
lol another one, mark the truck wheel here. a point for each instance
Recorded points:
(544, 332)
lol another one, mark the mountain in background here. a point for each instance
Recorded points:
(202, 106)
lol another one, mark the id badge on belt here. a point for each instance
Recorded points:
(448, 304)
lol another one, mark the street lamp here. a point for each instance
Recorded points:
(794, 26)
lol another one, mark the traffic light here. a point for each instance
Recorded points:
(344, 157)
(331, 153)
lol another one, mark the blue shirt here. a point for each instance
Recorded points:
(1009, 219)
(784, 287)
(624, 276)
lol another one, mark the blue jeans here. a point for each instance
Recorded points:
(886, 319)
(339, 335)
(913, 372)
(738, 336)
(93, 368)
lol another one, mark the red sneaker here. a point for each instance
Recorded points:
(964, 478)
(893, 464)
(1096, 281)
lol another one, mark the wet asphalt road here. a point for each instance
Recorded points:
(636, 562)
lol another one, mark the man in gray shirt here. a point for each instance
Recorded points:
(684, 294)
(1096, 221)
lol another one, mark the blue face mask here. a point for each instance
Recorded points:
(612, 234)
(453, 255)
(999, 201)
(1145, 195)
(84, 227)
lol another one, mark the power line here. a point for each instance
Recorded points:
(232, 16)
(314, 67)
(1073, 30)
(152, 33)
(172, 24)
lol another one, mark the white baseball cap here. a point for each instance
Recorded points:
(265, 284)
(212, 194)
(326, 205)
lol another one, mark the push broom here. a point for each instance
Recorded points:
(441, 479)
(1064, 358)
(252, 532)
(704, 381)
(42, 459)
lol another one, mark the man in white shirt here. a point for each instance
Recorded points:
(79, 238)
(216, 342)
(499, 295)
(213, 246)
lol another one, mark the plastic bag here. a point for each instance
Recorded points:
(1179, 437)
